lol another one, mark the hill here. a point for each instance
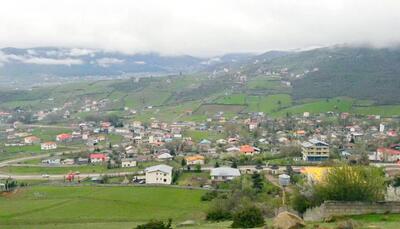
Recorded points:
(357, 72)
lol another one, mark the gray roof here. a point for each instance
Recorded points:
(128, 159)
(225, 171)
(161, 168)
(313, 142)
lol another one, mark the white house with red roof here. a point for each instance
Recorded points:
(97, 158)
(31, 140)
(48, 146)
(249, 150)
(390, 154)
(64, 137)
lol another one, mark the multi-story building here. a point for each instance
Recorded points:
(315, 150)
(159, 174)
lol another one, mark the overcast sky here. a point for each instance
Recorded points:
(198, 27)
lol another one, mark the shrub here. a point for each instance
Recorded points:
(219, 210)
(299, 202)
(248, 218)
(155, 224)
(352, 183)
(208, 196)
(218, 215)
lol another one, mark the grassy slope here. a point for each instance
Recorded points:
(49, 204)
(379, 110)
(259, 94)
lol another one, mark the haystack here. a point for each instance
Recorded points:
(287, 220)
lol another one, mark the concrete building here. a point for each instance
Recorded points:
(159, 174)
(315, 150)
(128, 162)
(224, 173)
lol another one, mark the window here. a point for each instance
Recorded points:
(165, 180)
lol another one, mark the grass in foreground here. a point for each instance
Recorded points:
(80, 206)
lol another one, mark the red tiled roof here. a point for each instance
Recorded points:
(97, 156)
(246, 149)
(388, 151)
(64, 136)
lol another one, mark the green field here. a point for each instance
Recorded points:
(198, 135)
(320, 106)
(69, 207)
(238, 99)
(49, 134)
(172, 96)
(379, 110)
(121, 207)
(269, 104)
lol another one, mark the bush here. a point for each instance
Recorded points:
(248, 218)
(299, 202)
(218, 215)
(352, 183)
(208, 196)
(219, 210)
(155, 224)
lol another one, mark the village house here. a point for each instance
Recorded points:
(82, 161)
(315, 150)
(52, 161)
(390, 154)
(97, 158)
(128, 162)
(195, 160)
(31, 140)
(48, 146)
(224, 174)
(68, 161)
(233, 149)
(249, 150)
(64, 137)
(164, 156)
(159, 174)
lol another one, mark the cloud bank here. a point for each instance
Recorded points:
(197, 27)
(30, 59)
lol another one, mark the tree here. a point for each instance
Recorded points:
(197, 168)
(299, 202)
(352, 183)
(234, 164)
(258, 183)
(183, 162)
(219, 210)
(216, 165)
(248, 218)
(156, 224)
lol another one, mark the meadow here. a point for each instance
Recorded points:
(123, 207)
(171, 96)
(79, 207)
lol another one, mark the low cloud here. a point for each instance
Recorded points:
(197, 27)
(107, 62)
(7, 58)
(81, 52)
(49, 61)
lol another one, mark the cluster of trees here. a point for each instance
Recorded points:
(250, 199)
(343, 183)
(114, 119)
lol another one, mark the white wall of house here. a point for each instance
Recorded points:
(127, 164)
(195, 162)
(48, 146)
(158, 177)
